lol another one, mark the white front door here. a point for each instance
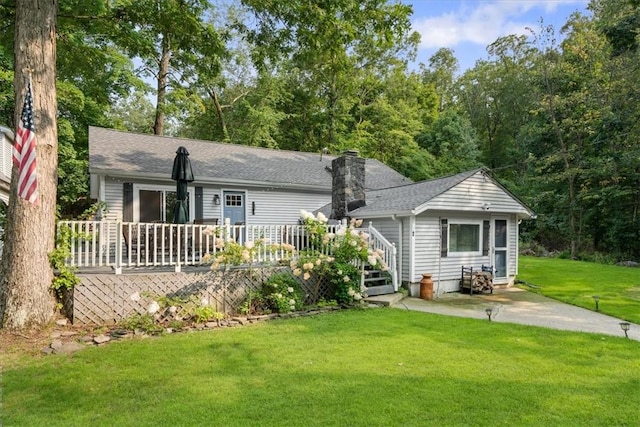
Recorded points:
(500, 249)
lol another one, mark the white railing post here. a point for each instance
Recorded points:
(119, 243)
(178, 245)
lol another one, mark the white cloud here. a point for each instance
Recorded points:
(483, 22)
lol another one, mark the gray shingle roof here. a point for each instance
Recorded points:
(403, 199)
(408, 197)
(131, 154)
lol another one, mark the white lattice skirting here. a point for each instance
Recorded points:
(108, 298)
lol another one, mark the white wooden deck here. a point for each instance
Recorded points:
(115, 245)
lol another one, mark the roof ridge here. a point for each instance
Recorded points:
(228, 144)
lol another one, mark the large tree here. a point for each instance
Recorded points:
(25, 272)
(174, 40)
(325, 49)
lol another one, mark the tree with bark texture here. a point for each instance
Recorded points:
(25, 271)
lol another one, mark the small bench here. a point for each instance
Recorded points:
(476, 280)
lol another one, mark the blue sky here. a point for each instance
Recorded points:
(469, 26)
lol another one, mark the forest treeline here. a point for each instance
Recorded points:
(554, 114)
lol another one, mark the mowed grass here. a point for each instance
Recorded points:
(576, 282)
(369, 367)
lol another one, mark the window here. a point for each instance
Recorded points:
(234, 200)
(157, 204)
(464, 237)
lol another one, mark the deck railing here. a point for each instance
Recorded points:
(119, 245)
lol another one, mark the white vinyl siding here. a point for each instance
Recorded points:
(427, 247)
(113, 199)
(512, 244)
(474, 194)
(282, 207)
(445, 270)
(406, 250)
(6, 163)
(6, 154)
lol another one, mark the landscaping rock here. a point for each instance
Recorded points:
(61, 322)
(101, 339)
(70, 347)
(68, 333)
(211, 325)
(56, 344)
(47, 350)
(56, 334)
(629, 264)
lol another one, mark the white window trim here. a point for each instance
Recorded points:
(453, 221)
(151, 187)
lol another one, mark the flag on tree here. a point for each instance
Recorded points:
(24, 152)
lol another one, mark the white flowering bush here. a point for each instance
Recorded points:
(231, 253)
(279, 294)
(346, 247)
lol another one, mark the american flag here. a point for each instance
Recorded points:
(24, 152)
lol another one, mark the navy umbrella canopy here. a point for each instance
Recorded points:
(182, 174)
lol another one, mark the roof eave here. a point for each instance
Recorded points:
(381, 214)
(210, 181)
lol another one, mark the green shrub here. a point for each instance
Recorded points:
(348, 248)
(281, 293)
(65, 277)
(145, 322)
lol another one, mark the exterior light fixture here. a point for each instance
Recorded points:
(625, 327)
(489, 312)
(216, 199)
(596, 298)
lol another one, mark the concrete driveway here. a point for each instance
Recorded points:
(514, 305)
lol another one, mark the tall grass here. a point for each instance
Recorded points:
(375, 367)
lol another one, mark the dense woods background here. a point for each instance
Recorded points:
(558, 122)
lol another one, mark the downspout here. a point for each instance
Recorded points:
(399, 248)
(439, 256)
(412, 246)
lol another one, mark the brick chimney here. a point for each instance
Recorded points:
(347, 191)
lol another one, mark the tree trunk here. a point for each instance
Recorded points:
(220, 113)
(163, 73)
(25, 272)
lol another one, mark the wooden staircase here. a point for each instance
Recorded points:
(377, 282)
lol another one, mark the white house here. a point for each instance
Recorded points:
(438, 226)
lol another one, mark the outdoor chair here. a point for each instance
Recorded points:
(132, 240)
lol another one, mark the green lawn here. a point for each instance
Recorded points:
(374, 367)
(576, 282)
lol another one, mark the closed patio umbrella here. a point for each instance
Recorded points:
(182, 174)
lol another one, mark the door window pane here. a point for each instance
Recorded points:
(500, 264)
(501, 233)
